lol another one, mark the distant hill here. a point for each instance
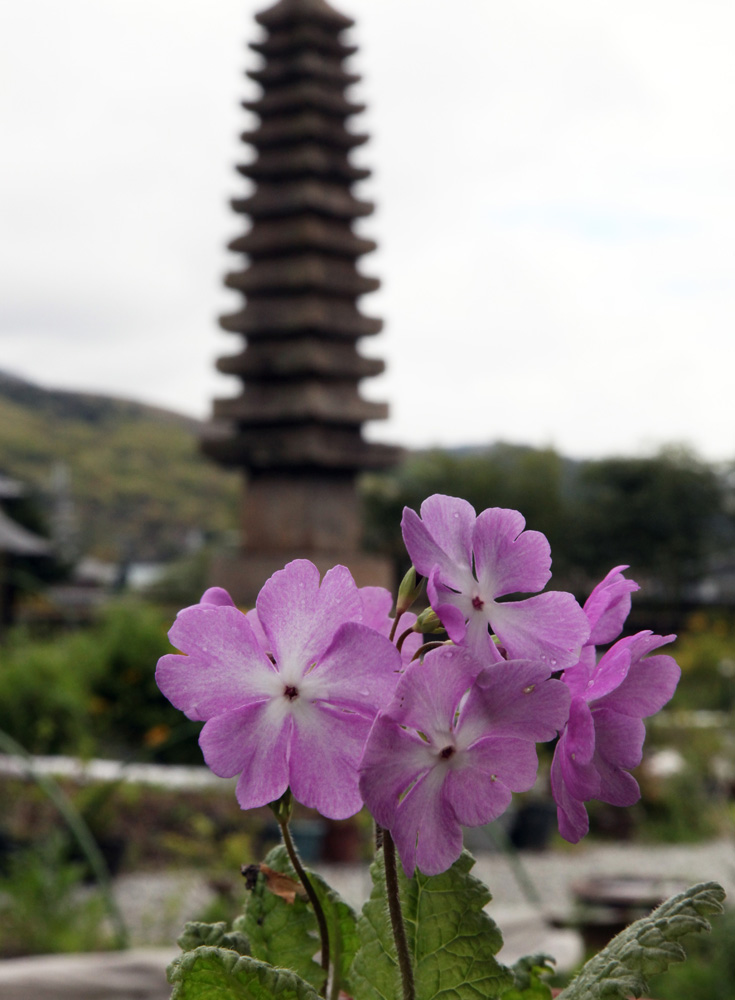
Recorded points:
(138, 484)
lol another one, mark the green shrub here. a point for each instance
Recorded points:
(92, 692)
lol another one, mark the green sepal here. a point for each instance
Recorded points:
(527, 982)
(648, 946)
(196, 933)
(283, 807)
(285, 934)
(452, 940)
(219, 974)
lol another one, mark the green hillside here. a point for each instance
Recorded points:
(137, 480)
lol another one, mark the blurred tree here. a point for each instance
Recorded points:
(664, 515)
(532, 481)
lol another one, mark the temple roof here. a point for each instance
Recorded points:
(305, 314)
(302, 273)
(303, 232)
(300, 368)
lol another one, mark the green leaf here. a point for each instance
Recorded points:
(527, 982)
(453, 942)
(218, 974)
(285, 934)
(342, 925)
(196, 933)
(648, 946)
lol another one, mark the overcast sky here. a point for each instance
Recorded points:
(556, 210)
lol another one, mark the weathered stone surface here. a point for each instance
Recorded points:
(303, 447)
(307, 158)
(323, 402)
(305, 194)
(302, 273)
(304, 359)
(283, 317)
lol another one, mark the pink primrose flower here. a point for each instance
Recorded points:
(298, 717)
(472, 560)
(453, 744)
(603, 738)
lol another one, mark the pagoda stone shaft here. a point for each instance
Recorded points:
(296, 427)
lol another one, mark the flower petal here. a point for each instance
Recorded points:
(428, 693)
(608, 606)
(359, 671)
(575, 752)
(570, 812)
(253, 740)
(217, 596)
(426, 831)
(376, 607)
(494, 767)
(550, 627)
(610, 671)
(649, 682)
(393, 760)
(300, 617)
(509, 560)
(224, 665)
(517, 698)
(442, 536)
(616, 786)
(448, 605)
(326, 747)
(618, 738)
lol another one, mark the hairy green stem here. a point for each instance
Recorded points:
(396, 917)
(310, 892)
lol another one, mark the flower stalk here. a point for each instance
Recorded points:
(396, 917)
(282, 812)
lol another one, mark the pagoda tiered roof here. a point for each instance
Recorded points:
(300, 406)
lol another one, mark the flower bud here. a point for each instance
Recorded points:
(408, 591)
(428, 623)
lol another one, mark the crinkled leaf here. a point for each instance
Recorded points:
(196, 933)
(218, 974)
(342, 925)
(285, 934)
(280, 933)
(527, 982)
(648, 946)
(452, 940)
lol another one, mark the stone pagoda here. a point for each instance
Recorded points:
(295, 429)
